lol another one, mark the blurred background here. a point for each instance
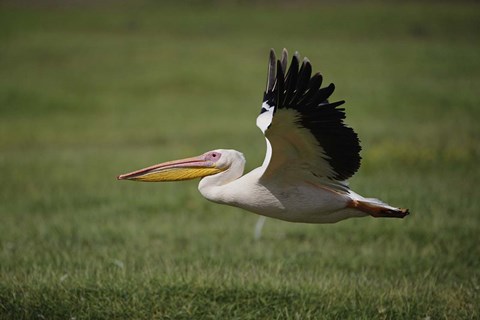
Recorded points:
(89, 90)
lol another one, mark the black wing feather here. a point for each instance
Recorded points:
(302, 82)
(279, 88)
(291, 80)
(284, 60)
(296, 89)
(313, 86)
(271, 71)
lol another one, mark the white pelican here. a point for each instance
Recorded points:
(310, 155)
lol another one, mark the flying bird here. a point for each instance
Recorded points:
(310, 155)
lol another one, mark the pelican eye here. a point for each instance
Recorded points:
(213, 156)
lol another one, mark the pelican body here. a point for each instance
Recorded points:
(310, 155)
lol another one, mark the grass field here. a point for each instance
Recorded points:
(89, 92)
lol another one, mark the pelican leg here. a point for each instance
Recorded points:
(257, 233)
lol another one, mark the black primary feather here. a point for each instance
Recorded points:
(271, 70)
(284, 60)
(297, 89)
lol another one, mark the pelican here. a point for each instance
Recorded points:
(310, 155)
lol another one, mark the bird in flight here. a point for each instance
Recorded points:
(310, 155)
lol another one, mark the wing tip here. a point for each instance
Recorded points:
(284, 60)
(271, 73)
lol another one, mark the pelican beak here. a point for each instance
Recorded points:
(177, 170)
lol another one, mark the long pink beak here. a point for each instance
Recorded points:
(177, 170)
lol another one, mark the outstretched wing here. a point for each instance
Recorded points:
(306, 135)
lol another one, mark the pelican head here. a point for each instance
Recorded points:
(207, 164)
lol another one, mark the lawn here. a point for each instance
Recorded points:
(91, 91)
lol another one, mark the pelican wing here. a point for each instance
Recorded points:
(306, 135)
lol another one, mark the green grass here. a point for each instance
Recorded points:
(89, 92)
